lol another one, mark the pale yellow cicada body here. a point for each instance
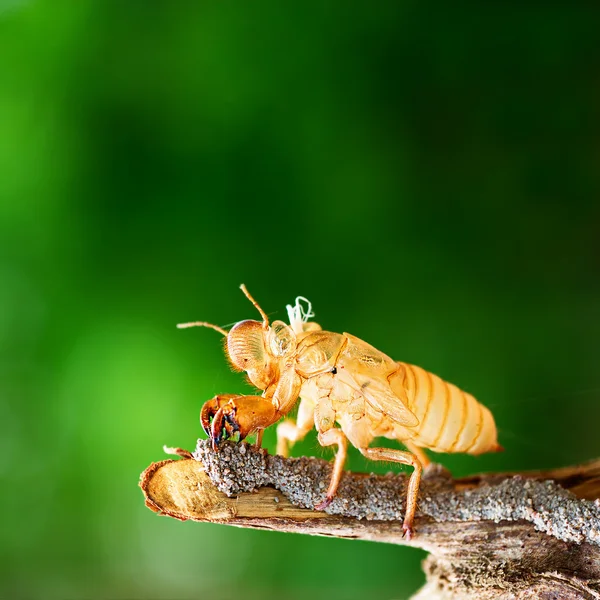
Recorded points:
(341, 380)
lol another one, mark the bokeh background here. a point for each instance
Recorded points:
(426, 175)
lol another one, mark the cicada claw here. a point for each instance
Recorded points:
(323, 505)
(409, 532)
(217, 418)
(216, 429)
(227, 414)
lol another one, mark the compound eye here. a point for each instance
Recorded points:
(245, 345)
(282, 339)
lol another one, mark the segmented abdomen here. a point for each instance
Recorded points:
(450, 420)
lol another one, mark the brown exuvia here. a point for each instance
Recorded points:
(341, 379)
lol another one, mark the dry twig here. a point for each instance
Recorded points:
(533, 535)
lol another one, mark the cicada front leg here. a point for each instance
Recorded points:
(227, 414)
(258, 439)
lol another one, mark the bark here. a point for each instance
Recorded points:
(528, 535)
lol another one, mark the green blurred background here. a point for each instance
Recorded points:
(427, 176)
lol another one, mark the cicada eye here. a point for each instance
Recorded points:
(282, 339)
(245, 345)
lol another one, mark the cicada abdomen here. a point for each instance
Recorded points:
(450, 420)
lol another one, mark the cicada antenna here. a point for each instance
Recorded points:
(202, 324)
(263, 314)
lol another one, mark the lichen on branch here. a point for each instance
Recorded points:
(489, 536)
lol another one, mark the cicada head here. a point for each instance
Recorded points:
(247, 351)
(257, 347)
(226, 415)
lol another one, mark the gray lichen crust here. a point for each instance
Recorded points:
(238, 468)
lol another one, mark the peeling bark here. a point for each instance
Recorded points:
(528, 535)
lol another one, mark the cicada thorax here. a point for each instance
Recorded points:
(318, 352)
(344, 377)
(450, 420)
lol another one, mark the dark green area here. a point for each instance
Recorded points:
(427, 176)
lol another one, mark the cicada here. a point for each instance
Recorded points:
(349, 390)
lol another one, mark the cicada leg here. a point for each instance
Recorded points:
(419, 453)
(259, 437)
(329, 438)
(288, 431)
(406, 458)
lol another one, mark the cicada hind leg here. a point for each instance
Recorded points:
(336, 437)
(406, 458)
(418, 452)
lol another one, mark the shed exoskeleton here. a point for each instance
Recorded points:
(342, 379)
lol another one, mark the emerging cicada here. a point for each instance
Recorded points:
(341, 379)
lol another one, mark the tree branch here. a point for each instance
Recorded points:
(489, 536)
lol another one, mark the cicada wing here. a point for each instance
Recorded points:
(369, 368)
(378, 393)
